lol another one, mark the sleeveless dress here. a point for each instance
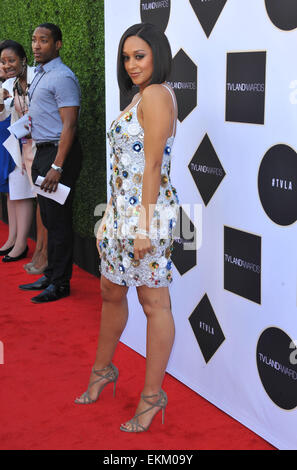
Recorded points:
(126, 139)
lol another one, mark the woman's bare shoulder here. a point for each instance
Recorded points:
(156, 92)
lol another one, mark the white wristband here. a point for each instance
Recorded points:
(142, 232)
(1, 95)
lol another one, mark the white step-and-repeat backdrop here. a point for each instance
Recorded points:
(234, 294)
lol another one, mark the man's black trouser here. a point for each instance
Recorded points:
(57, 218)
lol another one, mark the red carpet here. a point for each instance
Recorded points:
(48, 354)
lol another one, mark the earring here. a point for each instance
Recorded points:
(24, 66)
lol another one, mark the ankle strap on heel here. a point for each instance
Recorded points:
(162, 401)
(111, 371)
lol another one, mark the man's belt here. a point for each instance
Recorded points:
(53, 143)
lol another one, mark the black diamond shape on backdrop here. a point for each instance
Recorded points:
(184, 258)
(183, 79)
(208, 13)
(206, 169)
(206, 328)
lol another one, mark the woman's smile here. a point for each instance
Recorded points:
(138, 61)
(11, 63)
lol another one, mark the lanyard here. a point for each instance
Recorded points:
(30, 94)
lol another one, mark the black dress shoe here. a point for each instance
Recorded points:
(52, 293)
(9, 259)
(5, 252)
(40, 284)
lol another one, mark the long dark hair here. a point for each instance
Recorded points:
(161, 50)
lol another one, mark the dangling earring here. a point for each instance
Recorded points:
(24, 67)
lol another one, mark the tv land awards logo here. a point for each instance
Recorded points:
(282, 13)
(277, 366)
(183, 80)
(208, 12)
(157, 13)
(184, 255)
(242, 264)
(245, 87)
(206, 170)
(206, 328)
(277, 184)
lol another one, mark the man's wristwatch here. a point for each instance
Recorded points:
(57, 168)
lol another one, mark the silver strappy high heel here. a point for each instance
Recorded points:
(111, 375)
(160, 403)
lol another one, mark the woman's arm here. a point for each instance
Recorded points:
(157, 115)
(7, 91)
(99, 235)
(4, 108)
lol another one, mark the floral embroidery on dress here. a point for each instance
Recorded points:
(126, 139)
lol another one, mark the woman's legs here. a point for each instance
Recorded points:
(12, 225)
(23, 214)
(160, 336)
(113, 321)
(39, 258)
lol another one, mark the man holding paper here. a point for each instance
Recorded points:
(54, 109)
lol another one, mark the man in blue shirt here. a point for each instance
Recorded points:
(54, 110)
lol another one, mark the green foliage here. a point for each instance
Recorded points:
(82, 25)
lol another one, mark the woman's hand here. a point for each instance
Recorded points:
(99, 237)
(99, 246)
(102, 227)
(6, 94)
(142, 246)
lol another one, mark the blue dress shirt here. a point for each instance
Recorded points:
(54, 86)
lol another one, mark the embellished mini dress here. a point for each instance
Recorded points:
(127, 162)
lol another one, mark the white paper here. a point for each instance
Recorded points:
(12, 145)
(21, 127)
(60, 195)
